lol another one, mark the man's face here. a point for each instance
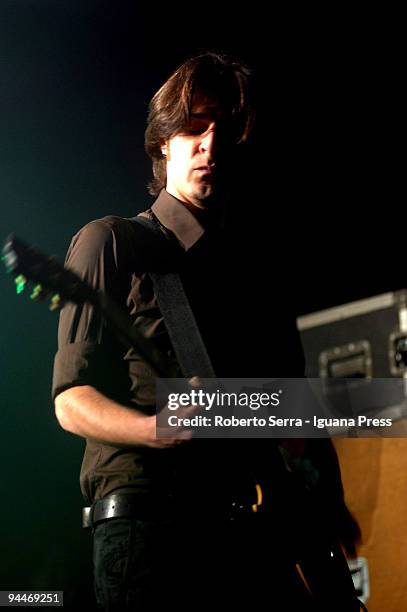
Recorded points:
(196, 157)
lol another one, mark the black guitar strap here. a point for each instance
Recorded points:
(179, 319)
(181, 326)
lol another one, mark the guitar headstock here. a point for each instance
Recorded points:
(50, 278)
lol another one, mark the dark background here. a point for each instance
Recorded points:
(75, 81)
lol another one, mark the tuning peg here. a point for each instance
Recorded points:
(56, 302)
(37, 293)
(20, 282)
(10, 262)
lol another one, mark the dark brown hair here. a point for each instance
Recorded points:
(219, 78)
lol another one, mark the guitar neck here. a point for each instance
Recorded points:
(27, 263)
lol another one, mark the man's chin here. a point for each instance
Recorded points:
(205, 196)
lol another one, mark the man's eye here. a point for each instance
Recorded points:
(196, 128)
(195, 131)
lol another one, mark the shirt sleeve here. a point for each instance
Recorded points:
(88, 352)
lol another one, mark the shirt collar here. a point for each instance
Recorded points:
(175, 217)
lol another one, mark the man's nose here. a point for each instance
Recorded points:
(208, 141)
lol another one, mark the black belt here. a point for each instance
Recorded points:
(145, 507)
(126, 506)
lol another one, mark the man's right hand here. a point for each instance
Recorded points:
(84, 411)
(176, 435)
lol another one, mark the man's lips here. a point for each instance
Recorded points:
(205, 170)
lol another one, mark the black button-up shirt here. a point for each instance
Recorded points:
(111, 255)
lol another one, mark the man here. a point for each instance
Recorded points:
(162, 508)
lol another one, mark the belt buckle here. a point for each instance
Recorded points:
(86, 517)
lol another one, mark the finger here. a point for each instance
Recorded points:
(195, 381)
(174, 435)
(185, 434)
(170, 442)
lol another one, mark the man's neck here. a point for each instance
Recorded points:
(200, 213)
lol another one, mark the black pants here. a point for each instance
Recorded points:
(243, 564)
